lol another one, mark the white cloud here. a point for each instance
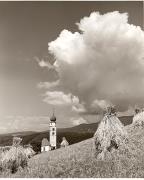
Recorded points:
(59, 98)
(24, 123)
(103, 104)
(42, 63)
(79, 108)
(103, 61)
(48, 85)
(77, 121)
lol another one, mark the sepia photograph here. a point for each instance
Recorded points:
(72, 89)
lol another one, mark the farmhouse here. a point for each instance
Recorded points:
(64, 142)
(45, 145)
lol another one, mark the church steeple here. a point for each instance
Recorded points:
(53, 118)
(53, 131)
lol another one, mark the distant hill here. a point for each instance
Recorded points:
(73, 134)
(126, 120)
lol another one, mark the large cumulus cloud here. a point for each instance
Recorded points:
(102, 63)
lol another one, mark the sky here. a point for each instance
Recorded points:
(62, 55)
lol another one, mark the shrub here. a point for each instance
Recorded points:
(29, 151)
(16, 141)
(13, 159)
(17, 156)
(4, 148)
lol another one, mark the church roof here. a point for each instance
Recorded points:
(64, 142)
(53, 118)
(45, 142)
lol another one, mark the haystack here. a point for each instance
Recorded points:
(29, 151)
(109, 135)
(64, 142)
(14, 158)
(138, 119)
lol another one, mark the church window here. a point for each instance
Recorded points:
(53, 133)
(53, 129)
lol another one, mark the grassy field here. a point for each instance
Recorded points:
(79, 160)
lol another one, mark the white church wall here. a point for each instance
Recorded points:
(45, 148)
(53, 134)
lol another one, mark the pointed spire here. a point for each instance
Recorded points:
(53, 118)
(53, 111)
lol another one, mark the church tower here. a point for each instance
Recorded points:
(53, 132)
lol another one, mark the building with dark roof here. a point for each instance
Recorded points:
(45, 145)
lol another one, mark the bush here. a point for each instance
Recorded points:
(13, 159)
(29, 151)
(4, 148)
(17, 141)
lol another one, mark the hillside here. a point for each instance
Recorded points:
(73, 135)
(79, 161)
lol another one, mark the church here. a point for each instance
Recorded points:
(51, 144)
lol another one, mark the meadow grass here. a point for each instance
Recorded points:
(79, 161)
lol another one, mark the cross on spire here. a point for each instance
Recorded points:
(53, 111)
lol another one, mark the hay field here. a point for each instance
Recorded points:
(78, 161)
